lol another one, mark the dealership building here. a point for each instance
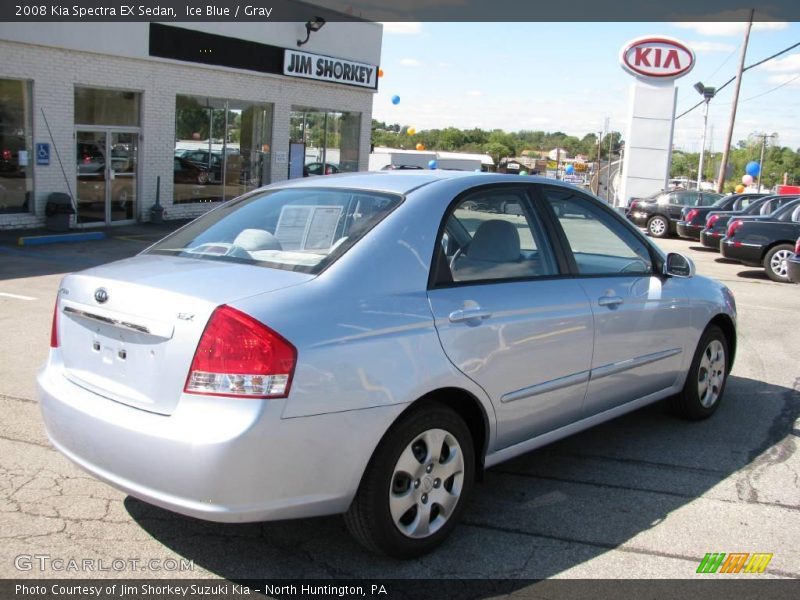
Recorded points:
(116, 115)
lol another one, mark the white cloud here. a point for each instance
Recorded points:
(474, 93)
(410, 62)
(783, 65)
(730, 28)
(711, 47)
(402, 27)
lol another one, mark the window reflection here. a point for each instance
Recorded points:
(16, 147)
(222, 148)
(323, 142)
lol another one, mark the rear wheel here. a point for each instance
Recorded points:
(775, 262)
(705, 383)
(416, 484)
(658, 226)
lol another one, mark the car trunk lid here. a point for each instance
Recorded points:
(128, 331)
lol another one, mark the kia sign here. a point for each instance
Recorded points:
(659, 58)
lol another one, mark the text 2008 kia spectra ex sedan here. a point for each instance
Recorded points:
(367, 344)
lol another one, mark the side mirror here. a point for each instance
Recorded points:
(678, 265)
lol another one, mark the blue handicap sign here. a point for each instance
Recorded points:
(43, 154)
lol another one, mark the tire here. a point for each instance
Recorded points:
(775, 262)
(202, 178)
(658, 226)
(402, 508)
(705, 383)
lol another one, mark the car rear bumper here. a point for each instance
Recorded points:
(793, 268)
(710, 240)
(687, 230)
(747, 254)
(213, 458)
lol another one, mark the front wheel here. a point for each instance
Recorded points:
(775, 262)
(416, 484)
(658, 226)
(705, 383)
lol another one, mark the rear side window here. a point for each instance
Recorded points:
(491, 235)
(293, 229)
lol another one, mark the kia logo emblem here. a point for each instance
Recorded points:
(657, 58)
(101, 295)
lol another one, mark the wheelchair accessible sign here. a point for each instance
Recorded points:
(43, 154)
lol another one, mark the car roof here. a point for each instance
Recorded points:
(403, 181)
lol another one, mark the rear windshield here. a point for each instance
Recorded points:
(293, 229)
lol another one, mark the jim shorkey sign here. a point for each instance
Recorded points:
(656, 62)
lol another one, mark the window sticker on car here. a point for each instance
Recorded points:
(307, 227)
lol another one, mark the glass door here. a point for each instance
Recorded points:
(107, 164)
(122, 174)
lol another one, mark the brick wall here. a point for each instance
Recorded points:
(55, 73)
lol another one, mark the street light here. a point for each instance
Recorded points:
(312, 26)
(707, 93)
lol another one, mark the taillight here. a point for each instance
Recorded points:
(797, 248)
(711, 220)
(733, 227)
(54, 327)
(691, 215)
(239, 356)
(633, 205)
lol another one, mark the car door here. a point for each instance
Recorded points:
(508, 316)
(641, 319)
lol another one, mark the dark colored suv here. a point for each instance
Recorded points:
(660, 213)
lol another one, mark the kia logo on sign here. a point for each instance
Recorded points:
(657, 58)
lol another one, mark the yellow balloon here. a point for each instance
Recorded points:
(411, 131)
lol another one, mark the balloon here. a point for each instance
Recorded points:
(395, 99)
(569, 169)
(432, 164)
(747, 179)
(380, 72)
(739, 188)
(752, 168)
(411, 131)
(420, 146)
(523, 172)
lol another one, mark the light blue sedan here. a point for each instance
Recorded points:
(368, 344)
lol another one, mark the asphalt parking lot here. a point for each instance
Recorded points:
(644, 496)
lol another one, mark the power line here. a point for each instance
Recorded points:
(724, 85)
(777, 87)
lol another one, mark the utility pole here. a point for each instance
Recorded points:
(727, 147)
(763, 137)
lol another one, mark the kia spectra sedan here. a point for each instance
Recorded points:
(367, 345)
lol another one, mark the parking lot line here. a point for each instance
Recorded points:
(17, 296)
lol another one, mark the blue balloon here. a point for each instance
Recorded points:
(569, 170)
(395, 99)
(753, 168)
(432, 164)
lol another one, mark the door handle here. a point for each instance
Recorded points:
(469, 314)
(610, 301)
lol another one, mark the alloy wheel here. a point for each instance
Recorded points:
(778, 263)
(426, 483)
(711, 374)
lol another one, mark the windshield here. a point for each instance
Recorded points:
(719, 201)
(293, 229)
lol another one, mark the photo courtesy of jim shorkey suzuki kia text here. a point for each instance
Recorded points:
(195, 589)
(139, 10)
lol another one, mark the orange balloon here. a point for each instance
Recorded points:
(420, 146)
(380, 72)
(739, 188)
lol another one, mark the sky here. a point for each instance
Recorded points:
(567, 77)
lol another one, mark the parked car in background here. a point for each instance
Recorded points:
(717, 222)
(317, 168)
(793, 264)
(693, 219)
(186, 171)
(322, 347)
(764, 243)
(401, 168)
(659, 214)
